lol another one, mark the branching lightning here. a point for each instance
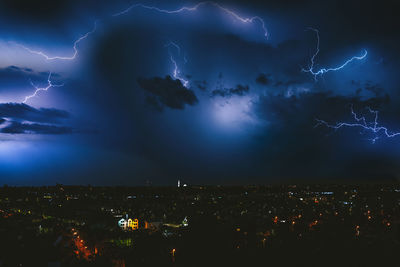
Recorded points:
(38, 89)
(182, 9)
(75, 47)
(143, 6)
(325, 70)
(361, 122)
(176, 72)
(195, 8)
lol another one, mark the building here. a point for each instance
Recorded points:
(122, 223)
(126, 224)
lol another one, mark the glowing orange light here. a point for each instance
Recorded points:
(357, 230)
(313, 223)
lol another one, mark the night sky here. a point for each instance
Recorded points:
(230, 92)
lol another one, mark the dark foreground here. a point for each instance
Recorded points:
(316, 225)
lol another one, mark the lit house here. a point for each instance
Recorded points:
(128, 224)
(122, 223)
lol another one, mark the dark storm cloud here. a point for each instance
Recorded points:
(167, 92)
(132, 46)
(49, 13)
(369, 88)
(40, 9)
(34, 128)
(202, 85)
(376, 89)
(281, 63)
(290, 147)
(369, 19)
(12, 75)
(293, 140)
(309, 106)
(19, 111)
(21, 119)
(239, 90)
(16, 78)
(263, 79)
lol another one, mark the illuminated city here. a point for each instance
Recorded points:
(213, 224)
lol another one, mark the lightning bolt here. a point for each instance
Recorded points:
(182, 9)
(325, 70)
(361, 122)
(176, 72)
(38, 89)
(75, 47)
(195, 8)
